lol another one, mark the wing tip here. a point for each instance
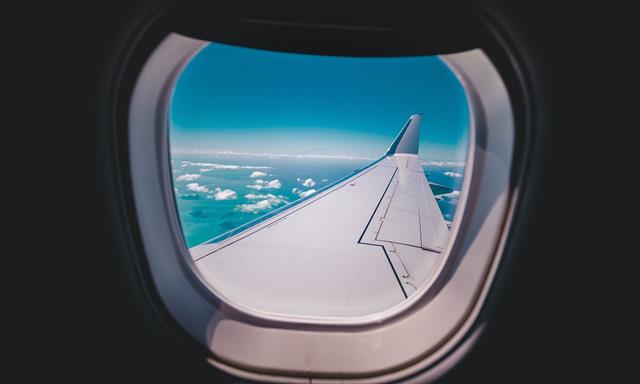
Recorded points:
(408, 138)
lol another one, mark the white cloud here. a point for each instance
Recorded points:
(257, 174)
(453, 174)
(195, 187)
(274, 184)
(443, 163)
(302, 193)
(260, 184)
(224, 194)
(211, 166)
(306, 193)
(309, 182)
(261, 205)
(324, 180)
(269, 201)
(451, 197)
(188, 177)
(273, 198)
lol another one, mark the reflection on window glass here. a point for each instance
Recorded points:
(314, 185)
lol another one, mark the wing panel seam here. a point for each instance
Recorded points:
(393, 269)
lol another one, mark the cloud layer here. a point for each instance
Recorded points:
(443, 163)
(260, 184)
(302, 193)
(307, 183)
(451, 197)
(211, 166)
(268, 202)
(224, 194)
(268, 155)
(188, 177)
(195, 187)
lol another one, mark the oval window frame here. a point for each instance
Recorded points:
(200, 314)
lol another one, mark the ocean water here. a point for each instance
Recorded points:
(218, 192)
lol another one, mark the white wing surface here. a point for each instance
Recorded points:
(355, 248)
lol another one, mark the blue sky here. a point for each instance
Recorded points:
(247, 100)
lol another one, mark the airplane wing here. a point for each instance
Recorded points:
(354, 248)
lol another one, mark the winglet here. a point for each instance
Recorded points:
(408, 139)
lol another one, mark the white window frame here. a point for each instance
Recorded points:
(431, 330)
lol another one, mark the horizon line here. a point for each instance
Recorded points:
(186, 150)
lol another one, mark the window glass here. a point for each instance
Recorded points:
(261, 142)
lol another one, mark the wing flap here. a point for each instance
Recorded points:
(400, 226)
(433, 229)
(412, 216)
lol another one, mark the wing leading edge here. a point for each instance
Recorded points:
(353, 249)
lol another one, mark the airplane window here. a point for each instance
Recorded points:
(307, 216)
(317, 186)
